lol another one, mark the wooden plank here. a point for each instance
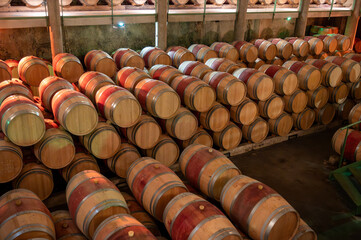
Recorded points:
(301, 23)
(240, 25)
(162, 11)
(349, 188)
(55, 29)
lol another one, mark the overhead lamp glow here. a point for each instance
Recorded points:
(121, 24)
(289, 18)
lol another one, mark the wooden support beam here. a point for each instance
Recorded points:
(55, 29)
(240, 25)
(352, 21)
(162, 10)
(301, 22)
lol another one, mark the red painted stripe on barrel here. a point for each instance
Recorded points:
(70, 229)
(90, 57)
(292, 40)
(259, 42)
(214, 81)
(65, 96)
(143, 92)
(239, 44)
(159, 72)
(319, 63)
(308, 38)
(272, 70)
(89, 76)
(118, 56)
(198, 47)
(246, 74)
(105, 95)
(147, 54)
(352, 141)
(140, 232)
(339, 60)
(296, 66)
(217, 63)
(124, 76)
(189, 68)
(322, 37)
(183, 84)
(276, 40)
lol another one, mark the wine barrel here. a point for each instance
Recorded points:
(166, 151)
(296, 102)
(194, 68)
(194, 93)
(355, 90)
(338, 94)
(67, 66)
(207, 169)
(24, 216)
(5, 71)
(259, 85)
(323, 55)
(304, 232)
(258, 209)
(103, 142)
(229, 138)
(91, 199)
(343, 42)
(90, 82)
(331, 74)
(156, 97)
(74, 111)
(343, 109)
(273, 107)
(122, 226)
(65, 228)
(257, 131)
(180, 54)
(353, 56)
(300, 46)
(216, 118)
(309, 77)
(352, 150)
(266, 49)
(21, 120)
(276, 61)
(118, 105)
(164, 73)
(138, 212)
(56, 149)
(318, 97)
(153, 185)
(125, 57)
(256, 64)
(286, 81)
(304, 119)
(355, 116)
(229, 89)
(49, 86)
(137, 2)
(145, 133)
(89, 2)
(36, 178)
(247, 51)
(316, 44)
(293, 2)
(245, 113)
(121, 161)
(5, 3)
(284, 48)
(202, 52)
(223, 65)
(325, 114)
(337, 53)
(65, 2)
(225, 50)
(153, 56)
(351, 69)
(100, 61)
(217, 2)
(282, 125)
(293, 58)
(329, 43)
(33, 70)
(207, 221)
(11, 160)
(129, 77)
(200, 137)
(13, 65)
(33, 3)
(265, 2)
(14, 87)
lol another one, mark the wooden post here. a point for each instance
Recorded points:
(352, 22)
(55, 29)
(162, 10)
(240, 25)
(301, 22)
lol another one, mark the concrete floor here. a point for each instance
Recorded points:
(296, 169)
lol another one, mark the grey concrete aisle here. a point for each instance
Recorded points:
(296, 169)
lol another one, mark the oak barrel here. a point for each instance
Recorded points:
(355, 90)
(36, 178)
(343, 109)
(258, 210)
(329, 43)
(21, 120)
(100, 61)
(282, 125)
(354, 56)
(125, 57)
(284, 48)
(355, 116)
(215, 119)
(24, 216)
(65, 228)
(225, 50)
(245, 113)
(296, 102)
(166, 151)
(56, 149)
(194, 68)
(247, 51)
(189, 216)
(223, 65)
(343, 42)
(51, 85)
(14, 87)
(304, 119)
(316, 44)
(318, 97)
(338, 94)
(352, 146)
(91, 199)
(351, 69)
(5, 71)
(325, 114)
(89, 2)
(256, 64)
(67, 66)
(33, 70)
(200, 137)
(180, 54)
(153, 185)
(90, 82)
(309, 77)
(331, 74)
(137, 2)
(74, 111)
(286, 81)
(257, 131)
(259, 85)
(266, 49)
(11, 160)
(273, 107)
(304, 232)
(276, 61)
(157, 97)
(300, 46)
(129, 77)
(229, 138)
(164, 73)
(194, 93)
(229, 89)
(153, 56)
(202, 52)
(13, 65)
(207, 169)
